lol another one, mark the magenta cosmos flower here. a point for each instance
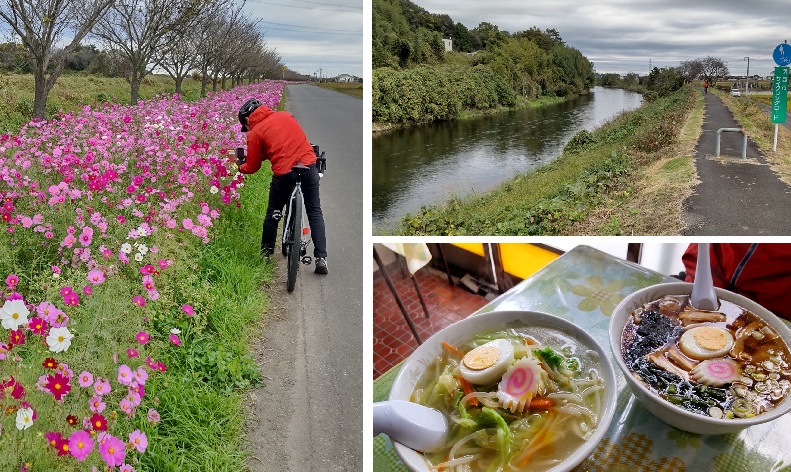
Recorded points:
(11, 281)
(188, 310)
(142, 337)
(139, 300)
(80, 445)
(112, 450)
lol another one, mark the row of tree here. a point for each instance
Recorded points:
(663, 81)
(213, 37)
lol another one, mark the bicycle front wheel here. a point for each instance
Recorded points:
(293, 250)
(285, 240)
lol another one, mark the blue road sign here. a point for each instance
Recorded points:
(782, 55)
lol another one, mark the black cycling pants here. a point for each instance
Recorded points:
(279, 192)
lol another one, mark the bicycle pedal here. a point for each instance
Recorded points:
(307, 260)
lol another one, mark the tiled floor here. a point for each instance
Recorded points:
(393, 340)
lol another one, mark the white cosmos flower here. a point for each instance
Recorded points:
(14, 314)
(142, 231)
(139, 257)
(24, 418)
(126, 248)
(142, 248)
(213, 190)
(175, 331)
(59, 339)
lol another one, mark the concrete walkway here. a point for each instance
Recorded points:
(735, 196)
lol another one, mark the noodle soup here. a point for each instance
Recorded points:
(726, 364)
(517, 399)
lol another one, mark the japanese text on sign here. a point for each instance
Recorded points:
(780, 95)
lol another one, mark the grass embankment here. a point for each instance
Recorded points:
(758, 126)
(354, 89)
(597, 171)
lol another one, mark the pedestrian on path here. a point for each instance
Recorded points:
(278, 138)
(706, 86)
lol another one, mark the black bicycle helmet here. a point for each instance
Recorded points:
(248, 107)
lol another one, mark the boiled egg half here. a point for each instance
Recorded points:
(706, 342)
(486, 364)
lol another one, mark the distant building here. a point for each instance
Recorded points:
(448, 45)
(346, 78)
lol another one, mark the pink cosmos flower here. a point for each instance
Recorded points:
(86, 379)
(153, 416)
(139, 300)
(187, 223)
(127, 407)
(102, 386)
(138, 440)
(188, 310)
(147, 269)
(125, 375)
(132, 352)
(96, 276)
(96, 404)
(80, 445)
(142, 337)
(175, 340)
(148, 283)
(12, 280)
(126, 468)
(141, 375)
(38, 326)
(112, 450)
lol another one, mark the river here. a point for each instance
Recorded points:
(426, 165)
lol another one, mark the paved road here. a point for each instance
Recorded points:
(735, 196)
(309, 416)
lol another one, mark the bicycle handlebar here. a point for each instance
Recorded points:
(321, 161)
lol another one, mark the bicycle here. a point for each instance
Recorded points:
(296, 229)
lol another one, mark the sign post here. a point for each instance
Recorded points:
(782, 57)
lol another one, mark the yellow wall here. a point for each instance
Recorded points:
(519, 259)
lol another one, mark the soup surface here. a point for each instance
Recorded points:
(517, 400)
(727, 363)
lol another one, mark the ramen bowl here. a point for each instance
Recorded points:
(671, 414)
(464, 331)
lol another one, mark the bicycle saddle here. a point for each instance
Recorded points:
(300, 169)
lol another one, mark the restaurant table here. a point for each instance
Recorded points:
(584, 286)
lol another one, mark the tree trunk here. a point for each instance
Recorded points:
(224, 77)
(135, 83)
(40, 94)
(204, 79)
(179, 80)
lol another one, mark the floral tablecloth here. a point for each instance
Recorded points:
(584, 286)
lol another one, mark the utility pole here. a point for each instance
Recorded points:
(747, 87)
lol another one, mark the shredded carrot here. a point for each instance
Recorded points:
(467, 389)
(542, 403)
(530, 342)
(452, 349)
(536, 441)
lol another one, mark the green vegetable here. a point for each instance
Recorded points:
(552, 358)
(503, 438)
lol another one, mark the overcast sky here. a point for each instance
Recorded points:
(624, 35)
(315, 34)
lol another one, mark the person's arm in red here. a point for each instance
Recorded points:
(255, 155)
(718, 272)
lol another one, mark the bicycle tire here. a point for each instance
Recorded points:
(286, 235)
(296, 239)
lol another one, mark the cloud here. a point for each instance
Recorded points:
(624, 35)
(309, 35)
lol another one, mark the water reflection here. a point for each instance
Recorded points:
(426, 165)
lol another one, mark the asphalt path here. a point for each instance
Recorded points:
(736, 196)
(309, 416)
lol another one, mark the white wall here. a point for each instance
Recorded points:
(664, 258)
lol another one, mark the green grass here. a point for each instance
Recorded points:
(560, 195)
(72, 91)
(354, 89)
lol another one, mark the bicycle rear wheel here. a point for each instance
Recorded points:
(295, 230)
(284, 242)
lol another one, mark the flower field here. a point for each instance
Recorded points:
(118, 290)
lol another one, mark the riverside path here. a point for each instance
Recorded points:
(309, 415)
(736, 197)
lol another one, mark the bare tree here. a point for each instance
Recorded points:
(140, 28)
(216, 36)
(713, 69)
(41, 24)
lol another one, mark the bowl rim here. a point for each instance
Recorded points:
(495, 320)
(685, 288)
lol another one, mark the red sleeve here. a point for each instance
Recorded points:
(255, 155)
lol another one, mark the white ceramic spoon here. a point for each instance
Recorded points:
(415, 426)
(703, 296)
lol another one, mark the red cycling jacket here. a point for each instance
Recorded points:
(760, 272)
(275, 136)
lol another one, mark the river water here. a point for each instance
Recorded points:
(428, 164)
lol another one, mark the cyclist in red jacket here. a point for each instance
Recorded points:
(278, 138)
(760, 272)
